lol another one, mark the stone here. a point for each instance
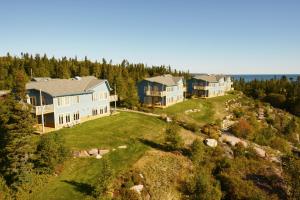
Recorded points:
(141, 175)
(93, 152)
(168, 119)
(260, 152)
(122, 147)
(83, 154)
(211, 142)
(103, 151)
(113, 149)
(137, 188)
(98, 156)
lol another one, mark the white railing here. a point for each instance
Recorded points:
(156, 93)
(38, 110)
(113, 98)
(199, 87)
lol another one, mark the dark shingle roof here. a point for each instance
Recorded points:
(167, 79)
(61, 87)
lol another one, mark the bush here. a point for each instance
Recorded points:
(191, 126)
(4, 191)
(276, 100)
(202, 186)
(197, 151)
(281, 145)
(211, 130)
(292, 169)
(243, 129)
(264, 136)
(173, 138)
(236, 188)
(103, 180)
(238, 113)
(51, 151)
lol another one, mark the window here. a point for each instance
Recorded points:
(105, 95)
(43, 100)
(105, 109)
(94, 112)
(33, 100)
(101, 111)
(61, 119)
(94, 97)
(59, 101)
(76, 116)
(76, 99)
(67, 100)
(68, 118)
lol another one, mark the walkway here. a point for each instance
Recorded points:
(139, 112)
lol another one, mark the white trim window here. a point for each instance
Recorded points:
(76, 116)
(95, 96)
(76, 99)
(59, 101)
(63, 101)
(68, 118)
(33, 100)
(105, 109)
(61, 119)
(67, 100)
(94, 112)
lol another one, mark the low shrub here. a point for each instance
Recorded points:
(51, 151)
(173, 139)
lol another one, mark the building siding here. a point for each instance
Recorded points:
(213, 88)
(172, 94)
(84, 107)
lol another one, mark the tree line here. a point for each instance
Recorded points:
(124, 75)
(281, 93)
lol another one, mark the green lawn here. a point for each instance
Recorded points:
(210, 109)
(79, 173)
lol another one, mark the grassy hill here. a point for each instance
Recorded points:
(159, 167)
(78, 173)
(209, 109)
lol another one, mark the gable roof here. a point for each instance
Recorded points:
(166, 79)
(61, 87)
(209, 78)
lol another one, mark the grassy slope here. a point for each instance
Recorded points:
(110, 132)
(210, 109)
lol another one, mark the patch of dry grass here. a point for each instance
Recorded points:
(163, 172)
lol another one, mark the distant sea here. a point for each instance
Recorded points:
(251, 77)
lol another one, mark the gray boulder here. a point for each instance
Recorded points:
(93, 152)
(211, 142)
(103, 151)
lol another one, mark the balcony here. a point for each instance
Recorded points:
(45, 109)
(156, 93)
(113, 98)
(200, 87)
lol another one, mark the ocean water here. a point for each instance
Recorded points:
(251, 77)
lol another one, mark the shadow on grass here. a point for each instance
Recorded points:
(164, 147)
(154, 144)
(81, 187)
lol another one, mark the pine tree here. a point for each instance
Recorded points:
(16, 129)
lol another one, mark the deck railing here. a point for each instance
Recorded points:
(113, 98)
(45, 109)
(156, 93)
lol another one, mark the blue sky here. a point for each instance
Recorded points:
(212, 36)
